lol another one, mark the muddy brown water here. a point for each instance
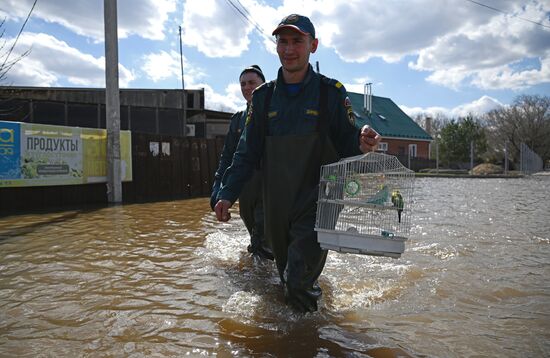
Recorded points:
(166, 280)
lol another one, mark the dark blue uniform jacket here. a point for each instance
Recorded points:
(290, 114)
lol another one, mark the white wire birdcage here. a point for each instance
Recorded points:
(364, 205)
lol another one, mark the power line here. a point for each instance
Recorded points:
(245, 10)
(249, 18)
(504, 12)
(240, 17)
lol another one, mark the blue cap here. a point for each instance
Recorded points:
(298, 23)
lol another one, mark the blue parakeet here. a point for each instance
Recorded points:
(398, 202)
(380, 197)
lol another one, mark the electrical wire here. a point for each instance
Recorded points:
(248, 12)
(504, 12)
(249, 18)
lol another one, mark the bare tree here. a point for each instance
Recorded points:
(7, 61)
(11, 109)
(436, 122)
(527, 121)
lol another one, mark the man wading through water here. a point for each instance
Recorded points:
(250, 198)
(295, 124)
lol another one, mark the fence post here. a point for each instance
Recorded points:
(521, 158)
(506, 157)
(436, 155)
(472, 155)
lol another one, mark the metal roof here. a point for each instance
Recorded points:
(387, 118)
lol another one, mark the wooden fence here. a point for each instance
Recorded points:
(182, 168)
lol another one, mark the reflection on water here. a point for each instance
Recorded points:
(166, 279)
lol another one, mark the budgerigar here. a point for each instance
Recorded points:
(380, 197)
(398, 202)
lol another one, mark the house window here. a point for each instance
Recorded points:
(412, 150)
(382, 147)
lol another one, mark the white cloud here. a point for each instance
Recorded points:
(162, 65)
(358, 85)
(506, 77)
(476, 108)
(218, 32)
(144, 18)
(51, 60)
(488, 56)
(223, 31)
(231, 101)
(433, 112)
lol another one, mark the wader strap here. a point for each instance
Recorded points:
(322, 126)
(267, 102)
(264, 123)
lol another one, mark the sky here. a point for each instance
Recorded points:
(431, 57)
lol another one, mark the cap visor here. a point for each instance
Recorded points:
(292, 27)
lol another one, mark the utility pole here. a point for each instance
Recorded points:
(112, 102)
(183, 96)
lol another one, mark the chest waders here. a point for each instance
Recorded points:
(291, 166)
(252, 213)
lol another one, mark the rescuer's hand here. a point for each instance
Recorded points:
(222, 210)
(369, 139)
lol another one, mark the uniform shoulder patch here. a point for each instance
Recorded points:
(349, 110)
(333, 83)
(248, 115)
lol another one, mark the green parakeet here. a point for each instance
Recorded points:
(397, 201)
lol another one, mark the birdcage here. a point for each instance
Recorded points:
(364, 205)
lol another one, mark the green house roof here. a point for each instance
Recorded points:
(386, 118)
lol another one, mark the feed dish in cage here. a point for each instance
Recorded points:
(364, 205)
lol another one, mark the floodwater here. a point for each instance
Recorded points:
(167, 280)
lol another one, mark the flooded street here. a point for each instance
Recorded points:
(167, 280)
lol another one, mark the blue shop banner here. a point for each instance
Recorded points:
(10, 150)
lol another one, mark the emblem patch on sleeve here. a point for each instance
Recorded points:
(349, 109)
(248, 115)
